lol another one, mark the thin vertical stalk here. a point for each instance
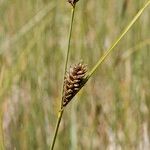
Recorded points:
(118, 40)
(69, 38)
(66, 62)
(56, 128)
(69, 41)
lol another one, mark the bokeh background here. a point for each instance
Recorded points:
(111, 112)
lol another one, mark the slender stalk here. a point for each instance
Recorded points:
(66, 62)
(56, 128)
(118, 40)
(69, 38)
(69, 41)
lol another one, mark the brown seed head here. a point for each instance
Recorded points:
(74, 80)
(73, 2)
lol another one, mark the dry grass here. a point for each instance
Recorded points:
(111, 112)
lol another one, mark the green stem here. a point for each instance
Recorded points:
(118, 40)
(66, 62)
(56, 128)
(69, 41)
(69, 38)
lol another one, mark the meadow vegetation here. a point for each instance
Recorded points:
(111, 112)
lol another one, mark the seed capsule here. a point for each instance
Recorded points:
(73, 82)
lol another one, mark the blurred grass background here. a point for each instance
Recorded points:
(111, 112)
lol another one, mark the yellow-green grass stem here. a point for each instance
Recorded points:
(56, 128)
(66, 62)
(69, 41)
(101, 60)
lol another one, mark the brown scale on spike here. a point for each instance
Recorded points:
(73, 2)
(73, 82)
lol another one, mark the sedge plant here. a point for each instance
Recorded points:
(66, 62)
(77, 75)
